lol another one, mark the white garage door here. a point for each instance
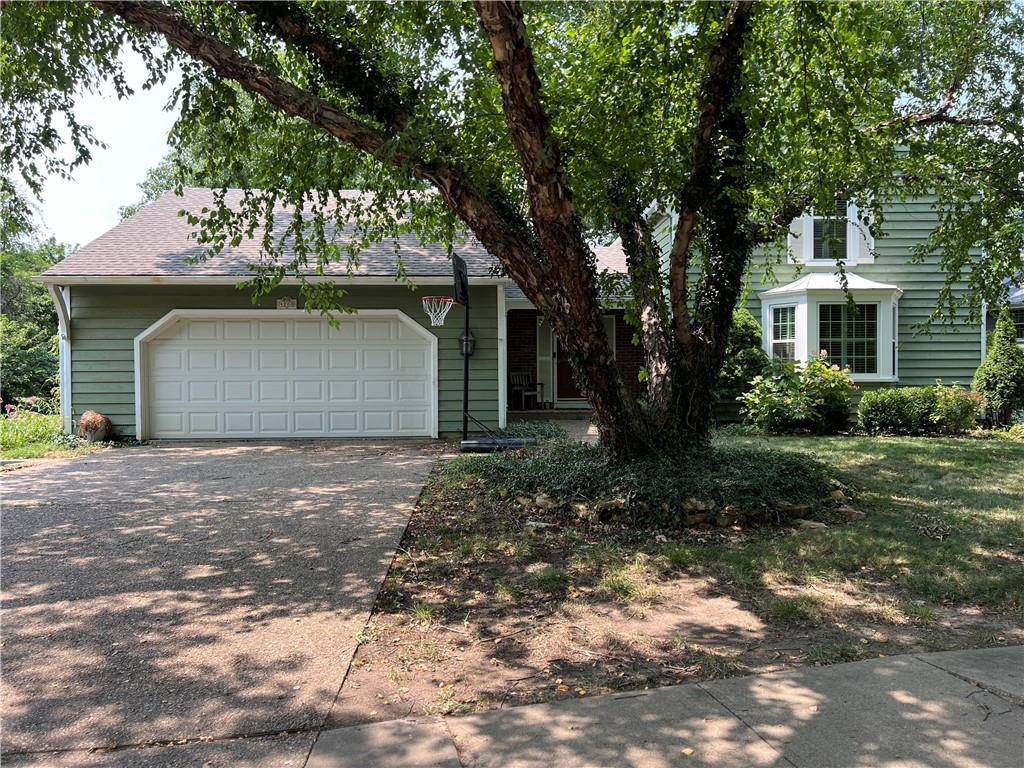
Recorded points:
(289, 377)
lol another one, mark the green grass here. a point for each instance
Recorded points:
(974, 487)
(30, 435)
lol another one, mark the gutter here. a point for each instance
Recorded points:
(239, 279)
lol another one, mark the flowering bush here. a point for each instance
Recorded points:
(814, 397)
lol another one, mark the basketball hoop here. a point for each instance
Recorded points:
(437, 308)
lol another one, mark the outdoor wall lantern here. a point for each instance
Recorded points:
(468, 342)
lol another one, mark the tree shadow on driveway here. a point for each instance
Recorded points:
(193, 591)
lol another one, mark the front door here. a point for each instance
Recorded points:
(565, 382)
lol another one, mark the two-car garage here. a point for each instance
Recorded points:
(285, 373)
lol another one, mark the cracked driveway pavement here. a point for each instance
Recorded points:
(198, 592)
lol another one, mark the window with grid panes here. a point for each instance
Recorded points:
(848, 334)
(830, 234)
(784, 332)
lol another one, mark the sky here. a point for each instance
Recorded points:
(78, 210)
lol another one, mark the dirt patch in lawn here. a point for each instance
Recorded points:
(491, 604)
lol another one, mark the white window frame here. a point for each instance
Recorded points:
(860, 245)
(807, 329)
(772, 340)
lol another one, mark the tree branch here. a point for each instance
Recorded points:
(495, 230)
(344, 65)
(938, 115)
(716, 90)
(551, 203)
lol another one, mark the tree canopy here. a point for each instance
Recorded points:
(543, 127)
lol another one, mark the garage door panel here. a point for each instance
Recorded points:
(242, 423)
(379, 421)
(272, 330)
(290, 377)
(238, 391)
(342, 359)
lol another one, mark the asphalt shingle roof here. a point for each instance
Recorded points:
(157, 242)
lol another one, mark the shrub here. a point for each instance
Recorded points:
(744, 358)
(940, 409)
(28, 360)
(956, 409)
(789, 398)
(896, 411)
(655, 490)
(1000, 378)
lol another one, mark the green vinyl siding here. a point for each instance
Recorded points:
(925, 351)
(106, 319)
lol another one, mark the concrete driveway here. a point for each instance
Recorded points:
(175, 593)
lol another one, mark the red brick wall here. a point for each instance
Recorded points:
(522, 346)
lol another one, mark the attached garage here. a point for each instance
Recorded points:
(284, 373)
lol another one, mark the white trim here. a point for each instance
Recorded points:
(984, 330)
(807, 326)
(860, 244)
(61, 296)
(502, 359)
(238, 279)
(772, 341)
(176, 315)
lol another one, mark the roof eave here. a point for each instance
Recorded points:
(237, 279)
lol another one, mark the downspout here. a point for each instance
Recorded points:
(984, 331)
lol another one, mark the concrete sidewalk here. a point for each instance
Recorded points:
(962, 709)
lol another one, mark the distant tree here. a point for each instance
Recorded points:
(1000, 378)
(542, 126)
(28, 320)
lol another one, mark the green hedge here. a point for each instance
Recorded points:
(938, 409)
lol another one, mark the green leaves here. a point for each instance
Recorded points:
(869, 102)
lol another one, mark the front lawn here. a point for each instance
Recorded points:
(492, 602)
(28, 435)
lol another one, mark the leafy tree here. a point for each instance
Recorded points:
(541, 128)
(28, 360)
(1000, 377)
(744, 357)
(195, 161)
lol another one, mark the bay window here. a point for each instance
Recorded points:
(783, 341)
(848, 335)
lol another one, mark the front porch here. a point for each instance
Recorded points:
(533, 356)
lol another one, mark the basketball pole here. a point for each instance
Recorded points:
(465, 376)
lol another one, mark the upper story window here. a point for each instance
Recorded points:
(825, 238)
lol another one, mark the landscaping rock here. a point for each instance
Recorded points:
(793, 510)
(850, 513)
(838, 494)
(581, 509)
(811, 525)
(609, 509)
(543, 501)
(524, 501)
(696, 505)
(699, 518)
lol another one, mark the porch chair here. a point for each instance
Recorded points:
(523, 384)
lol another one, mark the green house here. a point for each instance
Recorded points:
(170, 347)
